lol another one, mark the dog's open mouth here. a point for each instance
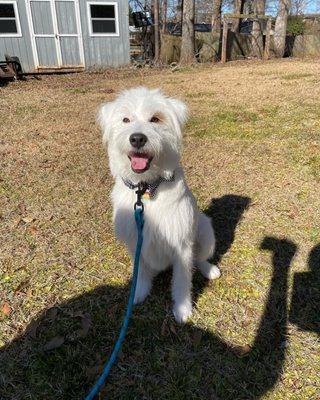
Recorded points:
(140, 162)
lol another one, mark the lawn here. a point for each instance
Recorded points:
(252, 159)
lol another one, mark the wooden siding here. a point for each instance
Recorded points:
(19, 46)
(102, 51)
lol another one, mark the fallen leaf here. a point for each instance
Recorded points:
(21, 287)
(52, 313)
(27, 220)
(22, 208)
(32, 229)
(92, 372)
(85, 326)
(112, 311)
(165, 328)
(241, 351)
(197, 336)
(77, 314)
(54, 343)
(173, 329)
(6, 308)
(16, 223)
(33, 328)
(107, 90)
(85, 323)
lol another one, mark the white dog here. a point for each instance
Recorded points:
(143, 132)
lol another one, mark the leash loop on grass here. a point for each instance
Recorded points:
(138, 214)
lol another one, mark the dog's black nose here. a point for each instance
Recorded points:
(138, 140)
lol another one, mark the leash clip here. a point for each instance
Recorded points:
(142, 187)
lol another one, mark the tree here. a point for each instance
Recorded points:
(299, 7)
(187, 42)
(164, 13)
(156, 31)
(238, 9)
(257, 30)
(280, 29)
(203, 13)
(216, 17)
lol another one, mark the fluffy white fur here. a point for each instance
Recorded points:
(176, 233)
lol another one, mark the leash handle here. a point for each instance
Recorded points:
(138, 215)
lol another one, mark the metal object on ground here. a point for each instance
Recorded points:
(10, 69)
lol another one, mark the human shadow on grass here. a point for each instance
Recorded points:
(159, 360)
(305, 303)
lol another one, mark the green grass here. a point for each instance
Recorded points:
(295, 76)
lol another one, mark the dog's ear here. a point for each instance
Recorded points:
(180, 111)
(104, 118)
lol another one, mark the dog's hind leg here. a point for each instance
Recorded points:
(205, 247)
(209, 271)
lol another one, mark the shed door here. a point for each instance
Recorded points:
(56, 33)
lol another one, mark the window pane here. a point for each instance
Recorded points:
(101, 11)
(6, 10)
(103, 26)
(8, 26)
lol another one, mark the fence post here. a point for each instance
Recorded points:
(267, 43)
(224, 41)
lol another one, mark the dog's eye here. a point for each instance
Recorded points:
(155, 119)
(126, 120)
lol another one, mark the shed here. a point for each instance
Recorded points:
(65, 34)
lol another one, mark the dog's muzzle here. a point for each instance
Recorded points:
(138, 140)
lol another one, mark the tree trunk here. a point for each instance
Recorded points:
(216, 29)
(280, 29)
(238, 9)
(257, 29)
(216, 17)
(156, 32)
(187, 42)
(164, 16)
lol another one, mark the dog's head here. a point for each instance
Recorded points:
(143, 132)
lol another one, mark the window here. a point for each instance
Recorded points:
(103, 19)
(9, 19)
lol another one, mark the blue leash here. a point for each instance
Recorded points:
(138, 214)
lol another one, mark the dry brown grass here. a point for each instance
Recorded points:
(253, 134)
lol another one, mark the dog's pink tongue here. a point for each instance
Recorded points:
(139, 162)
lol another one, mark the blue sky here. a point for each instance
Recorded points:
(313, 6)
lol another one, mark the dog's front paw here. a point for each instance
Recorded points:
(182, 312)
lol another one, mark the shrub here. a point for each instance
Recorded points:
(295, 25)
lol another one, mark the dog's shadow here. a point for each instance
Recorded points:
(225, 213)
(160, 359)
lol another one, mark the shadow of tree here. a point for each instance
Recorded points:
(305, 303)
(159, 360)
